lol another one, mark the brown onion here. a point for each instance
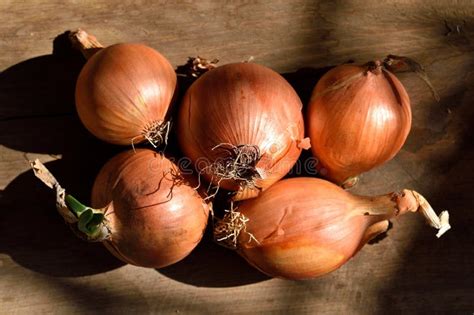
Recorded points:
(124, 91)
(146, 212)
(303, 228)
(358, 118)
(241, 124)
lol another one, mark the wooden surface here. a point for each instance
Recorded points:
(45, 269)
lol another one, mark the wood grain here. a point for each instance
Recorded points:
(44, 269)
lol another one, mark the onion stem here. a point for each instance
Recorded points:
(350, 182)
(395, 204)
(440, 222)
(86, 43)
(90, 224)
(91, 221)
(75, 206)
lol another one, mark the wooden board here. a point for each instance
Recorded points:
(45, 269)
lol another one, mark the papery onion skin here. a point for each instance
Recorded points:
(124, 89)
(359, 126)
(242, 104)
(155, 216)
(302, 228)
(282, 219)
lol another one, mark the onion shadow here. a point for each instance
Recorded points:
(37, 100)
(438, 272)
(35, 236)
(211, 265)
(37, 114)
(304, 81)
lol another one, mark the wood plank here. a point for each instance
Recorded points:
(45, 269)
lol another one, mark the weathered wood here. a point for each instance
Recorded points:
(44, 269)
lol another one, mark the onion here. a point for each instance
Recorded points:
(124, 91)
(242, 126)
(145, 211)
(358, 118)
(303, 228)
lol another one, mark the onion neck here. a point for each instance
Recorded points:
(91, 223)
(374, 67)
(88, 223)
(386, 207)
(87, 44)
(350, 182)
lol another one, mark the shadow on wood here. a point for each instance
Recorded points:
(88, 298)
(436, 274)
(37, 115)
(36, 237)
(37, 101)
(210, 265)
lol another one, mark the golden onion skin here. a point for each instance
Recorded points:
(359, 125)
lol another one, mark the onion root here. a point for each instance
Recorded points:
(228, 229)
(236, 163)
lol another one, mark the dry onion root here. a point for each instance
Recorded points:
(124, 91)
(314, 229)
(236, 163)
(228, 229)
